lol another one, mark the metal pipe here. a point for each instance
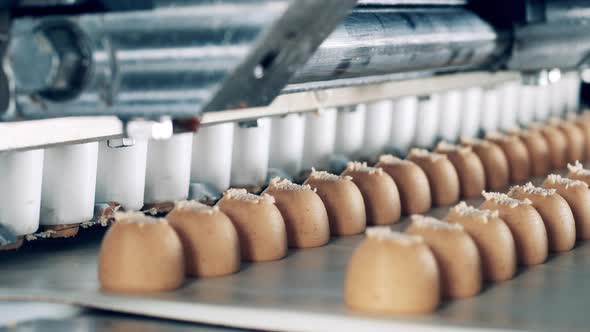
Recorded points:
(383, 41)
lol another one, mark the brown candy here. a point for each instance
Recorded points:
(538, 150)
(392, 273)
(556, 214)
(259, 223)
(493, 160)
(456, 255)
(525, 223)
(411, 181)
(492, 237)
(140, 254)
(380, 194)
(343, 201)
(471, 173)
(210, 241)
(575, 140)
(304, 213)
(577, 195)
(557, 145)
(442, 176)
(517, 154)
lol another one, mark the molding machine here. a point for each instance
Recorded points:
(110, 105)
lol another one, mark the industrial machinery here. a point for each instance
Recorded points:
(133, 105)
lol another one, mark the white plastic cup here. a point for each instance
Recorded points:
(526, 105)
(69, 184)
(212, 155)
(20, 199)
(572, 91)
(286, 143)
(450, 118)
(377, 131)
(403, 123)
(557, 98)
(319, 140)
(508, 104)
(167, 176)
(471, 114)
(427, 121)
(121, 174)
(250, 154)
(541, 102)
(350, 129)
(490, 115)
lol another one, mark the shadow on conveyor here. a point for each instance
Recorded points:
(86, 237)
(102, 321)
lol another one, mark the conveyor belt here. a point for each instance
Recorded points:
(303, 292)
(51, 317)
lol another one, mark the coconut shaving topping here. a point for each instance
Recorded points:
(287, 185)
(516, 131)
(469, 211)
(555, 121)
(578, 169)
(356, 166)
(444, 146)
(536, 125)
(384, 233)
(325, 176)
(433, 223)
(557, 179)
(390, 159)
(498, 136)
(137, 217)
(530, 189)
(571, 116)
(244, 195)
(423, 153)
(503, 199)
(472, 141)
(195, 206)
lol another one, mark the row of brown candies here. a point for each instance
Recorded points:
(406, 273)
(471, 245)
(549, 146)
(380, 196)
(500, 238)
(205, 241)
(449, 172)
(262, 226)
(511, 157)
(394, 272)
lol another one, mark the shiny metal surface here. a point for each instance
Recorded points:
(560, 40)
(180, 58)
(566, 9)
(50, 60)
(41, 60)
(384, 41)
(303, 292)
(45, 3)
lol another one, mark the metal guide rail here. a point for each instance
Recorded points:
(22, 135)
